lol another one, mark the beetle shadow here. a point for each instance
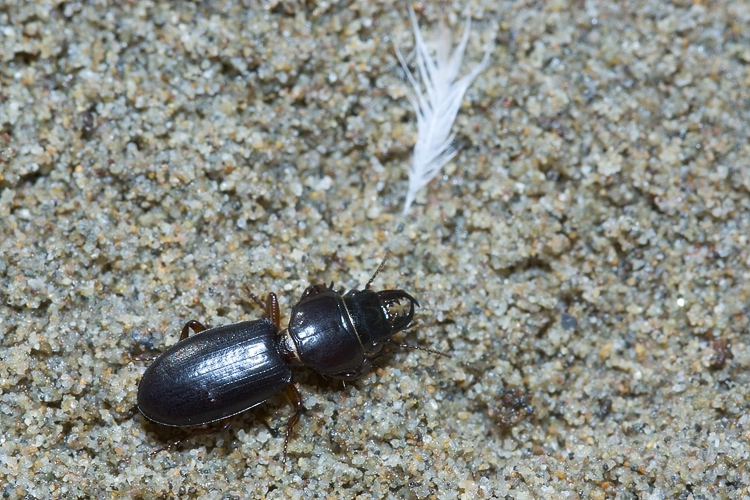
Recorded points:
(166, 438)
(316, 382)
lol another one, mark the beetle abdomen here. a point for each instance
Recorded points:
(213, 375)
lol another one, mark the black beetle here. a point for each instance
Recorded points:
(223, 371)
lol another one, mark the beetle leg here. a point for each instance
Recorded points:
(315, 289)
(271, 307)
(296, 397)
(254, 297)
(133, 411)
(194, 325)
(272, 310)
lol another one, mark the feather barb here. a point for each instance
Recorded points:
(436, 96)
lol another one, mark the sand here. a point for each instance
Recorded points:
(584, 258)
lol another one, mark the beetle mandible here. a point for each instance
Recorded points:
(220, 372)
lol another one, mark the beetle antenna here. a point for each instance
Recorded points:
(420, 348)
(380, 268)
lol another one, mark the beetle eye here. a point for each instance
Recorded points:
(399, 306)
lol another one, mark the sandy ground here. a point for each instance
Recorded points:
(584, 258)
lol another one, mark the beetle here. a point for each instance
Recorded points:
(220, 372)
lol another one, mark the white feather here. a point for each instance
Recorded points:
(437, 106)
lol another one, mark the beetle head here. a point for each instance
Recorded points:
(399, 308)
